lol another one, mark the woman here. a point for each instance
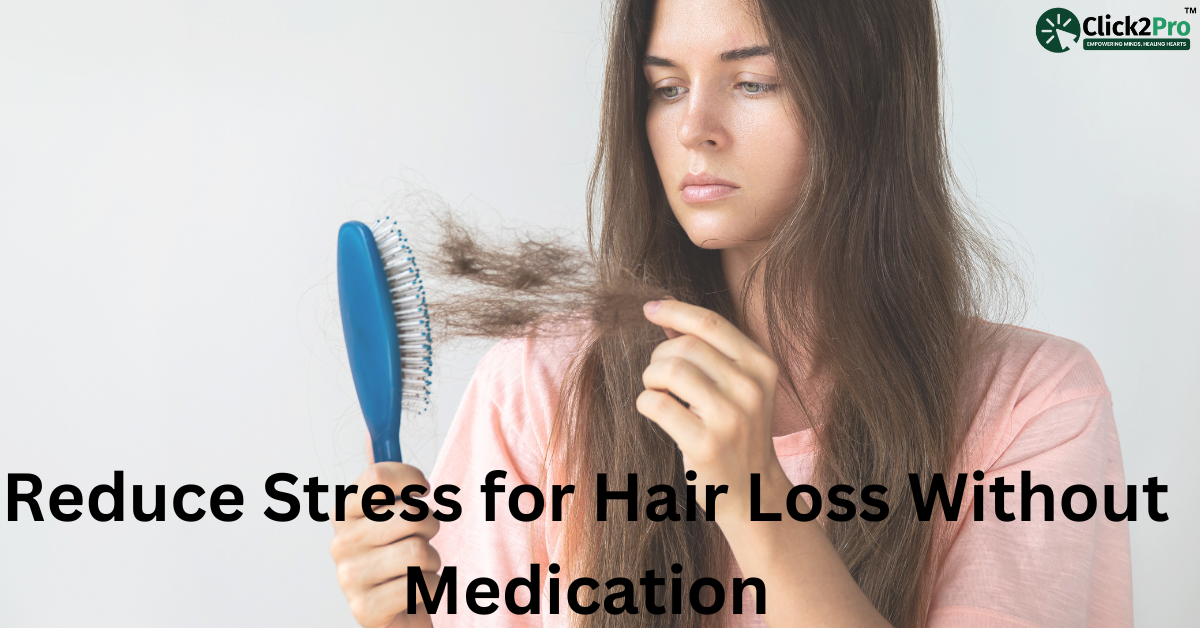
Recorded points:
(778, 169)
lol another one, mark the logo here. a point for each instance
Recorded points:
(1058, 30)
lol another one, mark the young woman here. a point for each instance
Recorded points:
(778, 169)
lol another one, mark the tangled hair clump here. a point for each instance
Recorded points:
(532, 283)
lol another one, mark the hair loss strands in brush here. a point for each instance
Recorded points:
(412, 313)
(531, 285)
(526, 265)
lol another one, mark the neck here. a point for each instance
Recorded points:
(749, 298)
(747, 295)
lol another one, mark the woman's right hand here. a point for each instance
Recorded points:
(373, 557)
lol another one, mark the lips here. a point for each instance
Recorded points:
(703, 187)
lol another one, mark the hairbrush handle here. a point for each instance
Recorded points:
(372, 343)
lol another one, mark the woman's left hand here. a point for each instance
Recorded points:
(728, 382)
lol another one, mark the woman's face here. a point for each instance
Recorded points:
(731, 157)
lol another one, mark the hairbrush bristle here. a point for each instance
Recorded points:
(412, 313)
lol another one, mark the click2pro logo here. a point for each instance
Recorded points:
(1059, 30)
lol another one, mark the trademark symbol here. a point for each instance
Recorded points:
(1189, 9)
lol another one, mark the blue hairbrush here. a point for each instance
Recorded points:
(386, 323)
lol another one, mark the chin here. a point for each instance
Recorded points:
(716, 239)
(711, 227)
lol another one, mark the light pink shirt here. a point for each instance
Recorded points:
(1045, 409)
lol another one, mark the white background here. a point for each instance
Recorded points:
(172, 176)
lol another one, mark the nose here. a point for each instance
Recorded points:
(703, 125)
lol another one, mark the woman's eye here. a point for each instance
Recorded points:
(755, 89)
(670, 92)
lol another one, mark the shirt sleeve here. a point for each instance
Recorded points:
(1038, 573)
(502, 424)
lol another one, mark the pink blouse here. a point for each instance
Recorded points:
(1044, 409)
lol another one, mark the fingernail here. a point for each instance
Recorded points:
(652, 306)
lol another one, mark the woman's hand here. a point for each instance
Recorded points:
(373, 557)
(728, 382)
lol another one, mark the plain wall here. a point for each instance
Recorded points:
(172, 176)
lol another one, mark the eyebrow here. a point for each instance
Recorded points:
(745, 53)
(736, 54)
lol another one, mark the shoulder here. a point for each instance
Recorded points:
(1040, 368)
(1042, 414)
(513, 395)
(528, 368)
(506, 414)
(1034, 385)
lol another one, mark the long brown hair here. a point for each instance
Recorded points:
(891, 273)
